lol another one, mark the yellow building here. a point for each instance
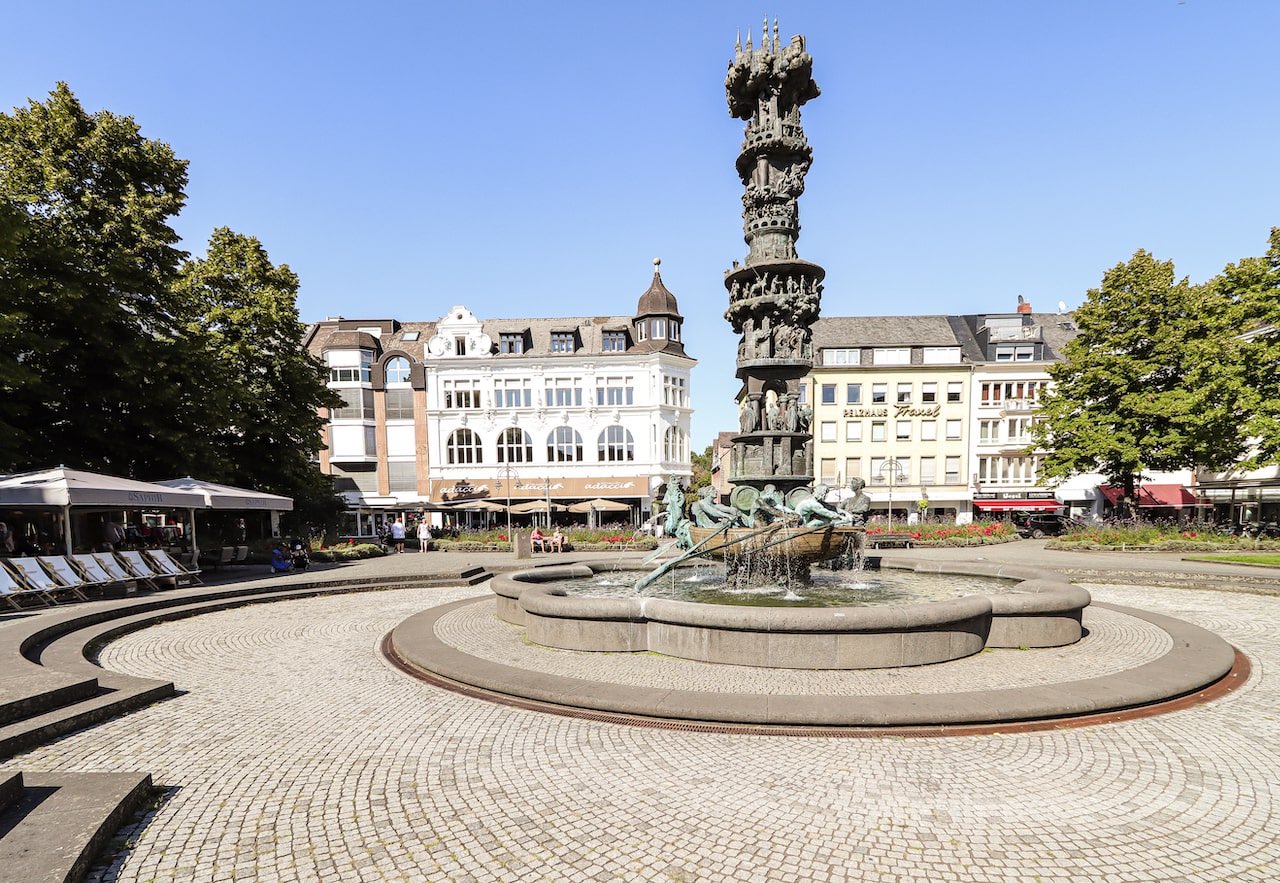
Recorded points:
(891, 405)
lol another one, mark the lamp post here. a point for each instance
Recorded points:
(508, 473)
(895, 475)
(548, 492)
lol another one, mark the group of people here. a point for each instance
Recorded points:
(397, 532)
(543, 543)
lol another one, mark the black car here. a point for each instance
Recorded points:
(1038, 525)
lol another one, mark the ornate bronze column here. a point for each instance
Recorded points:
(774, 296)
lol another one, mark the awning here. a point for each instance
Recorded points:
(1169, 496)
(1024, 505)
(73, 487)
(224, 496)
(536, 506)
(600, 505)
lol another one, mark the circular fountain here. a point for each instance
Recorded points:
(1027, 608)
(538, 643)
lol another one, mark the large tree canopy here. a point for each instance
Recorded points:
(266, 389)
(92, 359)
(115, 355)
(1249, 305)
(1142, 387)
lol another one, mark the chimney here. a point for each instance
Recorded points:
(1023, 305)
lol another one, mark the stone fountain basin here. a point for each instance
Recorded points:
(1042, 610)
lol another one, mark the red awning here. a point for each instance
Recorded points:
(1168, 496)
(1026, 505)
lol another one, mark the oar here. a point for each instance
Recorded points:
(666, 566)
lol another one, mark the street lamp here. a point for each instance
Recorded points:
(507, 471)
(896, 474)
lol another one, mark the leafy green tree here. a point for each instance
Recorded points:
(1142, 387)
(93, 368)
(701, 465)
(1250, 314)
(266, 391)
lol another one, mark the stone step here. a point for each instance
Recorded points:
(60, 822)
(37, 730)
(27, 693)
(10, 789)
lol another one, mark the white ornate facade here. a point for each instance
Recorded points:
(465, 409)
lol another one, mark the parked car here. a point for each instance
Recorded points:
(1037, 525)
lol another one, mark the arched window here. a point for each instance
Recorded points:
(675, 445)
(398, 370)
(564, 445)
(515, 446)
(616, 445)
(464, 447)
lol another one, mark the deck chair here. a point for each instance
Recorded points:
(142, 570)
(112, 567)
(67, 574)
(167, 565)
(12, 588)
(94, 569)
(37, 578)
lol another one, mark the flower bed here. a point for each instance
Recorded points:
(1157, 538)
(579, 540)
(979, 533)
(347, 552)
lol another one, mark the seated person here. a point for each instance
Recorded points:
(557, 540)
(279, 560)
(538, 541)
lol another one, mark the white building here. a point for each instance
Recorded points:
(466, 409)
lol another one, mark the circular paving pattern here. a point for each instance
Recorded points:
(298, 754)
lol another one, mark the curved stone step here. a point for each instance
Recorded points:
(61, 821)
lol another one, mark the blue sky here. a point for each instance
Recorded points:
(532, 159)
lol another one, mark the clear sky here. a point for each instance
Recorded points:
(531, 159)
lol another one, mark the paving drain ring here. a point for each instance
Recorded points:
(1200, 667)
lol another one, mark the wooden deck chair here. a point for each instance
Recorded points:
(66, 573)
(12, 587)
(92, 568)
(37, 578)
(165, 563)
(113, 567)
(142, 569)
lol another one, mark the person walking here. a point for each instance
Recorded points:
(397, 535)
(424, 535)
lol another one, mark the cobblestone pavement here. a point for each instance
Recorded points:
(299, 754)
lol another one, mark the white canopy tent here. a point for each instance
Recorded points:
(63, 488)
(225, 496)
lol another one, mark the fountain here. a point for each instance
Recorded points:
(777, 524)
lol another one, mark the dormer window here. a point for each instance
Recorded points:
(659, 328)
(614, 342)
(563, 341)
(673, 329)
(398, 370)
(511, 343)
(642, 330)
